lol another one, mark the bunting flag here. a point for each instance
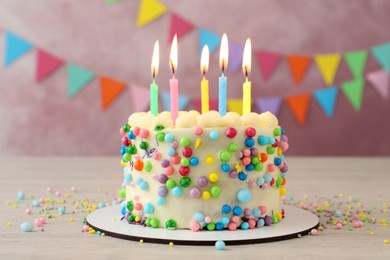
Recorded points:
(46, 64)
(150, 10)
(139, 98)
(268, 62)
(380, 80)
(110, 90)
(271, 104)
(326, 98)
(328, 65)
(356, 62)
(211, 39)
(166, 98)
(179, 26)
(236, 51)
(382, 55)
(213, 104)
(111, 2)
(15, 47)
(235, 105)
(78, 77)
(299, 106)
(353, 90)
(298, 66)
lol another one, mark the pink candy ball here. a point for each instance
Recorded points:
(246, 152)
(339, 225)
(207, 219)
(246, 160)
(264, 186)
(263, 210)
(73, 188)
(28, 211)
(232, 226)
(58, 194)
(144, 133)
(314, 232)
(49, 189)
(355, 216)
(194, 193)
(252, 184)
(198, 130)
(43, 220)
(357, 224)
(194, 226)
(271, 167)
(285, 147)
(252, 223)
(235, 219)
(85, 228)
(121, 132)
(41, 200)
(174, 144)
(169, 170)
(137, 206)
(175, 159)
(157, 156)
(38, 223)
(136, 130)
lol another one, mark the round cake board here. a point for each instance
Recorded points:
(298, 222)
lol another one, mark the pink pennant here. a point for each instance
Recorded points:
(46, 64)
(213, 104)
(380, 80)
(268, 62)
(179, 26)
(139, 97)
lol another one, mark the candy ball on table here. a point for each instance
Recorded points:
(220, 245)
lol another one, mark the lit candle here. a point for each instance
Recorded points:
(204, 85)
(173, 82)
(153, 85)
(223, 62)
(246, 87)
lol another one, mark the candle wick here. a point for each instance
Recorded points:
(246, 73)
(172, 67)
(223, 68)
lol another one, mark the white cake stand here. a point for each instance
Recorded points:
(298, 222)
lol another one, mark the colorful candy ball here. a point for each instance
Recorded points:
(220, 245)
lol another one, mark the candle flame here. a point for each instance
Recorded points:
(246, 60)
(224, 53)
(173, 56)
(155, 59)
(204, 61)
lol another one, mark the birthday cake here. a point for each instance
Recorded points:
(205, 172)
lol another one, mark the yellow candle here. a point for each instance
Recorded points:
(246, 87)
(204, 85)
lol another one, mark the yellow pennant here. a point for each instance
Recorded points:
(235, 105)
(328, 65)
(150, 10)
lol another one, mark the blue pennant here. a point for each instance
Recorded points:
(211, 39)
(15, 47)
(326, 97)
(166, 98)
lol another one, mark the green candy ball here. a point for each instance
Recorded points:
(225, 156)
(259, 167)
(127, 157)
(185, 182)
(147, 221)
(148, 166)
(255, 160)
(131, 218)
(170, 183)
(132, 149)
(126, 128)
(185, 162)
(210, 226)
(158, 127)
(270, 150)
(155, 223)
(170, 224)
(160, 137)
(185, 142)
(122, 193)
(143, 145)
(233, 147)
(130, 205)
(215, 191)
(277, 132)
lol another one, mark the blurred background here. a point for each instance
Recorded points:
(73, 71)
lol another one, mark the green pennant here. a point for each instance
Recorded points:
(356, 62)
(78, 77)
(353, 90)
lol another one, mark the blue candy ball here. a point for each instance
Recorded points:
(123, 151)
(62, 210)
(148, 208)
(199, 217)
(20, 195)
(262, 140)
(250, 167)
(138, 181)
(169, 138)
(101, 205)
(259, 181)
(131, 135)
(27, 227)
(277, 161)
(160, 201)
(256, 212)
(220, 245)
(171, 151)
(271, 140)
(237, 211)
(128, 178)
(177, 191)
(225, 167)
(214, 135)
(225, 220)
(219, 226)
(123, 210)
(249, 142)
(194, 161)
(260, 223)
(244, 225)
(36, 203)
(226, 209)
(244, 196)
(267, 178)
(242, 176)
(144, 185)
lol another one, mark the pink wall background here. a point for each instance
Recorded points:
(39, 119)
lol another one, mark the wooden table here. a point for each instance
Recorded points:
(97, 178)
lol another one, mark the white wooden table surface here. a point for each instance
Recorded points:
(367, 180)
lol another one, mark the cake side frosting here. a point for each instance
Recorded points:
(206, 172)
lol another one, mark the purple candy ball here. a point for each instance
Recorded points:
(267, 221)
(233, 174)
(162, 191)
(194, 193)
(202, 181)
(254, 151)
(284, 138)
(164, 163)
(247, 212)
(162, 178)
(284, 168)
(239, 155)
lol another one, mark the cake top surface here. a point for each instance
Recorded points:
(211, 119)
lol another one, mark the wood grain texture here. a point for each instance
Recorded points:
(97, 178)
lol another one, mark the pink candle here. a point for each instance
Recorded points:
(173, 82)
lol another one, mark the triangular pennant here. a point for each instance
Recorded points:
(149, 10)
(211, 39)
(179, 26)
(353, 90)
(46, 64)
(356, 62)
(213, 104)
(78, 77)
(268, 62)
(328, 65)
(110, 89)
(15, 47)
(234, 105)
(326, 97)
(166, 98)
(139, 98)
(382, 55)
(236, 51)
(271, 104)
(298, 66)
(380, 80)
(111, 2)
(299, 106)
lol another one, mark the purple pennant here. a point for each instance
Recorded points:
(236, 51)
(271, 104)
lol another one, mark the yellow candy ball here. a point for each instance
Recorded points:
(386, 241)
(213, 177)
(283, 191)
(123, 163)
(209, 159)
(137, 218)
(206, 195)
(279, 215)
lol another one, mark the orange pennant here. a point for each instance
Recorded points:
(299, 105)
(298, 66)
(110, 89)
